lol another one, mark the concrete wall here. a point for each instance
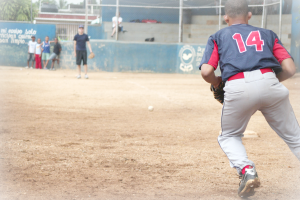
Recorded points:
(14, 38)
(96, 32)
(111, 56)
(138, 57)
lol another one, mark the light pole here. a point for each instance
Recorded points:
(31, 12)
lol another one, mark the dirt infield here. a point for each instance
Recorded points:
(63, 138)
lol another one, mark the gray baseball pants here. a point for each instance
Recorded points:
(243, 97)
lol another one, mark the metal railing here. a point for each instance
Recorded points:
(265, 4)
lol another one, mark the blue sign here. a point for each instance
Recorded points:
(14, 38)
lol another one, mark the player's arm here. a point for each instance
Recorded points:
(210, 62)
(288, 69)
(89, 45)
(285, 60)
(208, 74)
(75, 47)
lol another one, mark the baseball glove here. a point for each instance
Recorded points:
(218, 92)
(92, 55)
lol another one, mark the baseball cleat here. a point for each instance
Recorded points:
(78, 77)
(249, 182)
(86, 77)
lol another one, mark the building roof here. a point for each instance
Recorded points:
(63, 17)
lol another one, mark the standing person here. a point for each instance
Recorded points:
(116, 22)
(38, 54)
(253, 61)
(80, 41)
(31, 50)
(55, 55)
(46, 52)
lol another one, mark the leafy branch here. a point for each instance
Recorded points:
(17, 10)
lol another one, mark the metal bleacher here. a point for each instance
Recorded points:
(196, 33)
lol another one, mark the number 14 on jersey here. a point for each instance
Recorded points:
(254, 39)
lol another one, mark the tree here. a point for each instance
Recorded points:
(17, 10)
(62, 4)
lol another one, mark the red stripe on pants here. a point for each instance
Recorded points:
(38, 61)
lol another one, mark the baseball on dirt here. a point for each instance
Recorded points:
(150, 108)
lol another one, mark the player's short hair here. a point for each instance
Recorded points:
(234, 8)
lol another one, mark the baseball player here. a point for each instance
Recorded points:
(80, 41)
(253, 62)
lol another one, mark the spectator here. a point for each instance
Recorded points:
(46, 52)
(80, 41)
(217, 8)
(55, 55)
(31, 50)
(287, 7)
(117, 20)
(38, 54)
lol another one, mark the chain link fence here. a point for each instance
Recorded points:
(165, 21)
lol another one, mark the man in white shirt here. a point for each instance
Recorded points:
(31, 51)
(116, 20)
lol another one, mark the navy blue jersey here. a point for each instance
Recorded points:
(81, 41)
(243, 48)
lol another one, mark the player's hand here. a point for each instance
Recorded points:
(40, 55)
(217, 82)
